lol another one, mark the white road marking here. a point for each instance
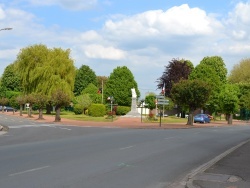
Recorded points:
(170, 138)
(65, 128)
(126, 147)
(30, 170)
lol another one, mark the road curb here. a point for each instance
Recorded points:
(190, 177)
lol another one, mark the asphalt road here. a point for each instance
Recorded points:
(52, 156)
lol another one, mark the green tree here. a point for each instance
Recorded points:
(192, 94)
(174, 72)
(44, 70)
(218, 65)
(207, 73)
(84, 101)
(119, 85)
(41, 100)
(60, 99)
(21, 100)
(92, 90)
(240, 72)
(229, 101)
(84, 76)
(10, 79)
(3, 101)
(150, 101)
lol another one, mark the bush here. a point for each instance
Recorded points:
(78, 109)
(122, 110)
(97, 110)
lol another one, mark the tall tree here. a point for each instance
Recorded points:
(192, 94)
(174, 72)
(46, 71)
(218, 65)
(11, 79)
(240, 72)
(229, 101)
(94, 95)
(84, 76)
(119, 85)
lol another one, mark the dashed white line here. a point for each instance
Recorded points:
(126, 147)
(65, 128)
(30, 170)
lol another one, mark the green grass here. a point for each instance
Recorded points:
(169, 119)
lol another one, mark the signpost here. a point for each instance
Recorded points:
(161, 101)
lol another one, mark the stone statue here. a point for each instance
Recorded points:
(133, 93)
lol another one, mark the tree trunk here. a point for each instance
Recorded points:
(57, 117)
(190, 119)
(48, 109)
(30, 111)
(21, 110)
(40, 114)
(229, 119)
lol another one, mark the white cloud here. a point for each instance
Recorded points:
(99, 51)
(242, 11)
(181, 20)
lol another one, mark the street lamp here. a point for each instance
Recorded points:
(111, 99)
(7, 28)
(142, 101)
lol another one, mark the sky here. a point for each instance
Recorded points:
(143, 35)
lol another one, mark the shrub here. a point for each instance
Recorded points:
(122, 110)
(97, 110)
(78, 109)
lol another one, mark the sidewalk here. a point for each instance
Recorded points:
(232, 171)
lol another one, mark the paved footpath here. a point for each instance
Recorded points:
(230, 171)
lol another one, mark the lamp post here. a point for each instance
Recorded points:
(111, 99)
(7, 28)
(142, 101)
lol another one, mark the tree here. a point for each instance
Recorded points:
(174, 72)
(150, 101)
(30, 99)
(119, 85)
(41, 100)
(229, 101)
(44, 70)
(84, 76)
(3, 102)
(240, 72)
(192, 94)
(92, 90)
(218, 65)
(84, 101)
(10, 79)
(21, 101)
(59, 99)
(208, 74)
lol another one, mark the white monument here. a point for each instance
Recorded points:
(133, 112)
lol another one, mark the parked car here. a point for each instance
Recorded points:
(201, 118)
(7, 109)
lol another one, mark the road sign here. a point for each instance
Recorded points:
(160, 97)
(163, 101)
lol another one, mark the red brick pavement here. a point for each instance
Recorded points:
(127, 122)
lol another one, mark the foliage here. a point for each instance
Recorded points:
(218, 65)
(84, 76)
(174, 72)
(97, 110)
(119, 85)
(92, 90)
(78, 109)
(83, 100)
(122, 110)
(229, 99)
(45, 71)
(150, 101)
(240, 72)
(192, 94)
(11, 79)
(3, 102)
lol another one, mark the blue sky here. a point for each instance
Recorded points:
(143, 35)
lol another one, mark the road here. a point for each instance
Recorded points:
(55, 156)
